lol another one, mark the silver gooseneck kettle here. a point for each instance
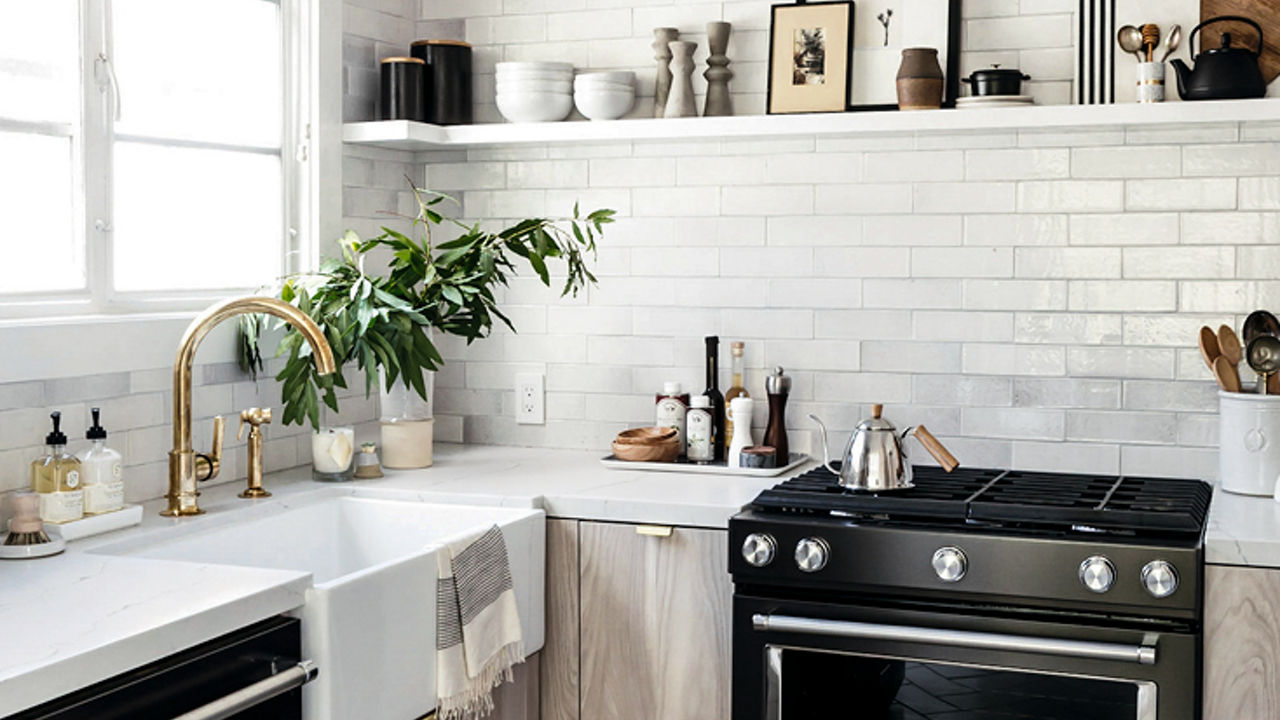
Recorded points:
(875, 461)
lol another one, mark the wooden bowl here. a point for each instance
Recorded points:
(665, 451)
(645, 436)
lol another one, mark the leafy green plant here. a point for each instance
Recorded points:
(384, 322)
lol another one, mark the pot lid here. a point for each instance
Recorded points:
(996, 71)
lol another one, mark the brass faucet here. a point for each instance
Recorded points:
(185, 465)
(255, 418)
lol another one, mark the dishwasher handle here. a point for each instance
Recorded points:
(297, 675)
(1141, 654)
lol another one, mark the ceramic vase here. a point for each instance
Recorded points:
(662, 39)
(919, 80)
(718, 74)
(680, 101)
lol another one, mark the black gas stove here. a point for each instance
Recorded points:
(1031, 580)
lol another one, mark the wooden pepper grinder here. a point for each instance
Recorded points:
(778, 386)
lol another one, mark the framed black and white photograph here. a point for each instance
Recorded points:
(883, 29)
(809, 57)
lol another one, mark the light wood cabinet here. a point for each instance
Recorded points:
(560, 649)
(655, 623)
(1241, 643)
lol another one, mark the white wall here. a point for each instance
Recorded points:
(1033, 297)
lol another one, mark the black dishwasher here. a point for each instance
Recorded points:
(251, 674)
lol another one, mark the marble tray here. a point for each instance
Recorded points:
(684, 466)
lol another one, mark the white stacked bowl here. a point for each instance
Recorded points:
(534, 91)
(604, 95)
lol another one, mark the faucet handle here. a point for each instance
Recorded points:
(208, 464)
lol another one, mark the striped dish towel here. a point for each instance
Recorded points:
(478, 637)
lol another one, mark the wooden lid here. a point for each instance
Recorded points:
(419, 61)
(459, 43)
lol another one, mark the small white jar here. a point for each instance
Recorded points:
(1248, 442)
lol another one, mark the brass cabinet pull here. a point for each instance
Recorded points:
(654, 530)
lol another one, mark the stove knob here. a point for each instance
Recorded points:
(1097, 573)
(811, 554)
(1159, 578)
(758, 549)
(950, 564)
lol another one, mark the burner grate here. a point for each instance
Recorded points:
(1124, 505)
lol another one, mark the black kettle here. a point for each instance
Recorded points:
(1224, 72)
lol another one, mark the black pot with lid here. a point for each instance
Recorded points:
(996, 80)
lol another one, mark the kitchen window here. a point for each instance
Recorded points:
(145, 152)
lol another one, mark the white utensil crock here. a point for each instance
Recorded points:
(1248, 442)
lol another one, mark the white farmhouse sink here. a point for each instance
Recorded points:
(370, 617)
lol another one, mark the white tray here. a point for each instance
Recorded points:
(127, 516)
(684, 466)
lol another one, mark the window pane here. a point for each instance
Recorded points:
(39, 246)
(190, 71)
(195, 219)
(40, 60)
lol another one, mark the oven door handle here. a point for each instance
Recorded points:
(1144, 654)
(246, 697)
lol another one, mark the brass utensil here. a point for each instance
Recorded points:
(1229, 345)
(1228, 378)
(1263, 354)
(1130, 39)
(1209, 349)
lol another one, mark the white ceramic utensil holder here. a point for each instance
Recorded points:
(1150, 82)
(1248, 442)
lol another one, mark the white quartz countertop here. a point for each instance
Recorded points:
(78, 618)
(1243, 530)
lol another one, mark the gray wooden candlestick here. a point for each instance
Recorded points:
(662, 38)
(680, 101)
(718, 74)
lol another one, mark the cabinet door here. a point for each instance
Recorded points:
(655, 623)
(560, 650)
(1241, 643)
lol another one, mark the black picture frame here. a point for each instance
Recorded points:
(847, 54)
(951, 65)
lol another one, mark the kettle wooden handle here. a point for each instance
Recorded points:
(936, 449)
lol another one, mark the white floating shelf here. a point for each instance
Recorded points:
(408, 135)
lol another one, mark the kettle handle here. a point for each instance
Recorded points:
(935, 448)
(826, 455)
(1191, 40)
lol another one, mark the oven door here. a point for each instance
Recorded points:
(803, 661)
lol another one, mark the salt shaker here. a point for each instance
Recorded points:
(778, 386)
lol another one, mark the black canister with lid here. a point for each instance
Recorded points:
(402, 91)
(448, 80)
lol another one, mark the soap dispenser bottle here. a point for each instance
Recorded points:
(56, 476)
(101, 472)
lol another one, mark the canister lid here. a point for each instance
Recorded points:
(670, 388)
(459, 43)
(418, 61)
(700, 401)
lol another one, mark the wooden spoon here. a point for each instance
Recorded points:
(1209, 349)
(1229, 345)
(1228, 378)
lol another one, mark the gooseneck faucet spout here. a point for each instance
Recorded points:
(185, 465)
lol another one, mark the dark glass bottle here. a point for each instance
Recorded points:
(717, 399)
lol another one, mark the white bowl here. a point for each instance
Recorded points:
(625, 77)
(604, 86)
(604, 104)
(543, 66)
(556, 86)
(528, 107)
(534, 75)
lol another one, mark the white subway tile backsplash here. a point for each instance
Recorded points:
(1067, 457)
(1071, 196)
(969, 262)
(1126, 162)
(1070, 329)
(993, 359)
(928, 166)
(632, 172)
(917, 230)
(862, 262)
(863, 324)
(1015, 423)
(1062, 263)
(1185, 262)
(1123, 295)
(1126, 229)
(767, 200)
(1015, 230)
(1015, 295)
(862, 199)
(962, 326)
(1261, 193)
(1066, 393)
(964, 197)
(1188, 194)
(1017, 164)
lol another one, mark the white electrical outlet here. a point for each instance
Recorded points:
(531, 405)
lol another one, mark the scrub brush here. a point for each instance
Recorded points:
(27, 536)
(26, 527)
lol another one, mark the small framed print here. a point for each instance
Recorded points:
(809, 57)
(883, 29)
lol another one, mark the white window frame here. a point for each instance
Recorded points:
(92, 149)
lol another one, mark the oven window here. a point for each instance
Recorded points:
(836, 687)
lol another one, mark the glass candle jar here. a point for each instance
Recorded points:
(333, 452)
